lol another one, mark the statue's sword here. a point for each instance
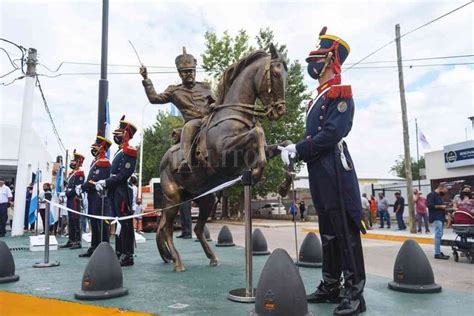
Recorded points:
(136, 53)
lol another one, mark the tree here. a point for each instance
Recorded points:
(157, 140)
(398, 168)
(224, 51)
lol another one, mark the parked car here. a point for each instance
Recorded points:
(272, 209)
(194, 211)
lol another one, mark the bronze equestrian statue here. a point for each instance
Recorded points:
(231, 140)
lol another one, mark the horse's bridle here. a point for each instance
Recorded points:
(267, 79)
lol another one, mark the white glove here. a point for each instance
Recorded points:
(78, 190)
(287, 153)
(100, 185)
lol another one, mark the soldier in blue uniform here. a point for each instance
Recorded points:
(97, 202)
(123, 166)
(332, 178)
(76, 177)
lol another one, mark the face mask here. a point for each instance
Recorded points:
(464, 194)
(442, 193)
(94, 151)
(118, 139)
(72, 165)
(314, 69)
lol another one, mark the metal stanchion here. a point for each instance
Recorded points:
(293, 193)
(46, 263)
(247, 294)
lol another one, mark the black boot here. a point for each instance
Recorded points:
(325, 293)
(66, 245)
(351, 306)
(87, 254)
(76, 245)
(126, 260)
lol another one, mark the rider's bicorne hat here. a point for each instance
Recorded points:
(185, 61)
(329, 44)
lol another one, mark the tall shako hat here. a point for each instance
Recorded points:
(101, 141)
(185, 61)
(78, 157)
(329, 44)
(128, 127)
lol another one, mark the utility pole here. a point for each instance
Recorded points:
(22, 173)
(103, 83)
(417, 156)
(406, 136)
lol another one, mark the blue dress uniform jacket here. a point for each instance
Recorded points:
(76, 178)
(123, 166)
(100, 170)
(327, 122)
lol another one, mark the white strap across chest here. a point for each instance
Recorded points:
(316, 101)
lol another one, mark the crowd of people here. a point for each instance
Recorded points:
(434, 209)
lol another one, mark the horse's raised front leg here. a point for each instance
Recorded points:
(272, 150)
(205, 206)
(252, 143)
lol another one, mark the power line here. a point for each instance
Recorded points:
(98, 64)
(434, 20)
(409, 32)
(110, 73)
(55, 130)
(7, 84)
(413, 66)
(414, 59)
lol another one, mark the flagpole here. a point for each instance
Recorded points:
(417, 155)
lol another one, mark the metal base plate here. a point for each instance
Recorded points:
(46, 265)
(10, 278)
(225, 245)
(239, 295)
(409, 288)
(309, 264)
(260, 253)
(100, 295)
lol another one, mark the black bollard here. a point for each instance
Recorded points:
(280, 290)
(260, 247)
(103, 276)
(311, 252)
(224, 239)
(7, 265)
(412, 272)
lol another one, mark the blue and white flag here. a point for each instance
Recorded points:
(423, 140)
(107, 133)
(34, 199)
(59, 180)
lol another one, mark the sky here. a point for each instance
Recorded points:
(439, 97)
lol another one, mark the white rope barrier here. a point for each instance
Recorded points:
(117, 219)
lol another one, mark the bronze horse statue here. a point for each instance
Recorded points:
(231, 140)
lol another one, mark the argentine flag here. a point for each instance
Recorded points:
(107, 132)
(34, 199)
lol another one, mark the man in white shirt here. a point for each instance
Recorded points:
(5, 200)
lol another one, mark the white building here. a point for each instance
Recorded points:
(38, 156)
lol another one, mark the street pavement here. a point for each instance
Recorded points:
(379, 255)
